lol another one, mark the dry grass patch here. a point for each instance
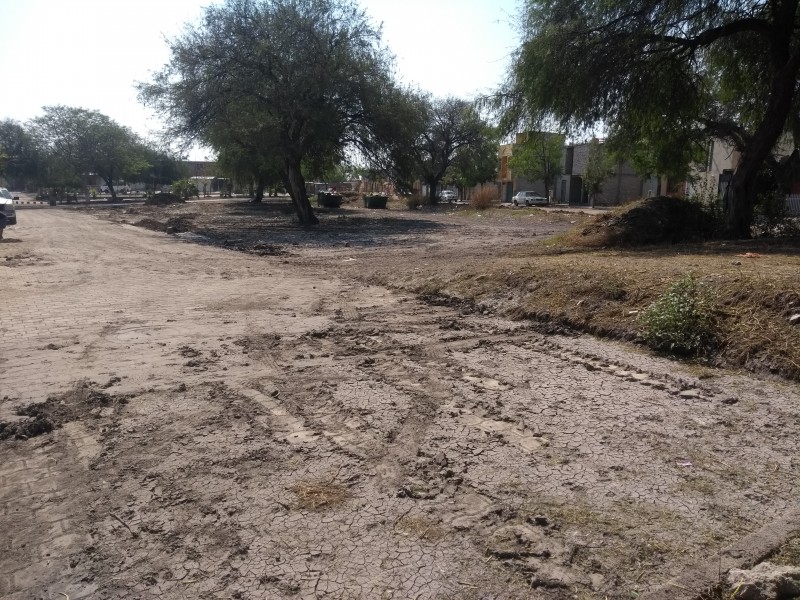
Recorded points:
(420, 527)
(484, 198)
(319, 494)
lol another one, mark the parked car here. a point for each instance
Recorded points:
(7, 206)
(529, 199)
(448, 196)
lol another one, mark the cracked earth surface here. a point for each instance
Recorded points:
(236, 426)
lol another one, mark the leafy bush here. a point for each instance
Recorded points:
(185, 189)
(484, 198)
(681, 320)
(770, 215)
(705, 194)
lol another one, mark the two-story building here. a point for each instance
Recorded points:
(622, 185)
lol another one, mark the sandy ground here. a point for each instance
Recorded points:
(237, 426)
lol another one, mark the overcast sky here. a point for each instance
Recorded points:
(89, 53)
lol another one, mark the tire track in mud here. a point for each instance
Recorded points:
(434, 374)
(433, 446)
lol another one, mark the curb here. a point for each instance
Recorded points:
(743, 554)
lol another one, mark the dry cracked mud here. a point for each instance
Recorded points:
(227, 425)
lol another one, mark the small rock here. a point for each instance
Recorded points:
(795, 319)
(171, 230)
(730, 400)
(597, 581)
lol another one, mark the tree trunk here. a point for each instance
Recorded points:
(432, 191)
(741, 195)
(296, 186)
(260, 190)
(738, 204)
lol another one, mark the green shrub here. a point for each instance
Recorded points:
(706, 195)
(681, 320)
(184, 188)
(770, 214)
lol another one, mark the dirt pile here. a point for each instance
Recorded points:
(38, 418)
(661, 220)
(171, 225)
(163, 198)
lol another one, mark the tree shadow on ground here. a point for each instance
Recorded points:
(274, 222)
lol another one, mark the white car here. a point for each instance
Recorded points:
(448, 196)
(7, 206)
(529, 199)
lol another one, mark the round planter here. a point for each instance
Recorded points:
(376, 201)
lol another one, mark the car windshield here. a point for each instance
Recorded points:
(5, 194)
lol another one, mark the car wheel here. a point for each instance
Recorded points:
(527, 203)
(515, 203)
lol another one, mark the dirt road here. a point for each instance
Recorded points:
(237, 426)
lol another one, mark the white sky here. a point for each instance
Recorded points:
(89, 53)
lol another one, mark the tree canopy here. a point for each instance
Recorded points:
(77, 141)
(23, 163)
(426, 138)
(599, 167)
(665, 76)
(309, 72)
(477, 162)
(539, 158)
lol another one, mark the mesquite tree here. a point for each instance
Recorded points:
(668, 74)
(309, 71)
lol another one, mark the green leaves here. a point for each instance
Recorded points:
(77, 141)
(539, 157)
(275, 84)
(664, 77)
(681, 320)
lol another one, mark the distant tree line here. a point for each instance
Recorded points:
(64, 147)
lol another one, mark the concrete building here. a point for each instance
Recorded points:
(620, 187)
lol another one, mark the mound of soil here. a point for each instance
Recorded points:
(171, 225)
(661, 220)
(42, 417)
(163, 198)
